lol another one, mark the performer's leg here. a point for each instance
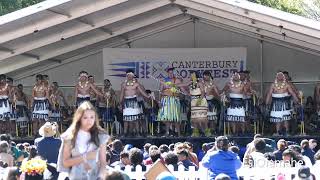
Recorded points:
(233, 126)
(35, 123)
(177, 128)
(12, 127)
(125, 129)
(243, 127)
(287, 127)
(278, 128)
(167, 124)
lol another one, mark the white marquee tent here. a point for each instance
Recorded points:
(56, 32)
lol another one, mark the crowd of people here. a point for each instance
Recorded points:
(185, 107)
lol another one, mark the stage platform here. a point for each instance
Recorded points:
(197, 141)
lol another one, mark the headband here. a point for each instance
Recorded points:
(130, 73)
(83, 74)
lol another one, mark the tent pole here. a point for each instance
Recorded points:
(261, 68)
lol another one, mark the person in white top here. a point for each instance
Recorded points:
(83, 151)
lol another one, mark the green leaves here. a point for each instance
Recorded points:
(7, 6)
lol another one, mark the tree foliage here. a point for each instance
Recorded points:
(312, 9)
(291, 6)
(7, 6)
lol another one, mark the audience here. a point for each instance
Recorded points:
(136, 158)
(116, 149)
(306, 151)
(6, 158)
(183, 157)
(222, 161)
(124, 160)
(281, 145)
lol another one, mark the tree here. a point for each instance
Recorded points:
(290, 6)
(312, 9)
(7, 6)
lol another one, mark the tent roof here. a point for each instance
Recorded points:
(56, 30)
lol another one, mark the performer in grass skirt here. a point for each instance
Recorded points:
(5, 110)
(56, 97)
(21, 111)
(170, 112)
(40, 105)
(212, 96)
(199, 106)
(236, 110)
(132, 113)
(83, 89)
(278, 96)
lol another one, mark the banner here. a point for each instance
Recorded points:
(148, 63)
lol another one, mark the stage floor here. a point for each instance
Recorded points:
(197, 141)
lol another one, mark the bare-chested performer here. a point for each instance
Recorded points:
(5, 110)
(106, 105)
(56, 97)
(280, 112)
(212, 96)
(83, 88)
(93, 95)
(316, 97)
(169, 111)
(21, 104)
(13, 117)
(40, 105)
(235, 112)
(130, 89)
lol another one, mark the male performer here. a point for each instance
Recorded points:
(235, 112)
(21, 109)
(93, 95)
(5, 109)
(40, 105)
(280, 112)
(13, 117)
(106, 105)
(169, 111)
(83, 88)
(199, 106)
(248, 97)
(131, 109)
(55, 98)
(212, 95)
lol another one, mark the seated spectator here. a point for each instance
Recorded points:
(316, 166)
(116, 149)
(5, 157)
(222, 177)
(114, 175)
(171, 147)
(250, 148)
(136, 158)
(222, 161)
(306, 151)
(192, 156)
(164, 148)
(172, 159)
(234, 149)
(183, 157)
(291, 158)
(108, 157)
(297, 149)
(305, 174)
(166, 176)
(257, 158)
(313, 144)
(124, 160)
(149, 160)
(281, 145)
(48, 146)
(155, 155)
(203, 151)
(146, 151)
(12, 173)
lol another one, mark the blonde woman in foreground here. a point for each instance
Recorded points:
(83, 151)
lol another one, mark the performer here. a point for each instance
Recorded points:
(107, 105)
(5, 109)
(199, 106)
(280, 105)
(128, 98)
(83, 88)
(93, 95)
(40, 105)
(13, 117)
(248, 97)
(55, 98)
(212, 95)
(151, 112)
(235, 112)
(317, 99)
(21, 110)
(169, 111)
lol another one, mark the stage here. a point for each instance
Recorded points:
(196, 141)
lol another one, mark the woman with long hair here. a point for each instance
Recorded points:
(83, 150)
